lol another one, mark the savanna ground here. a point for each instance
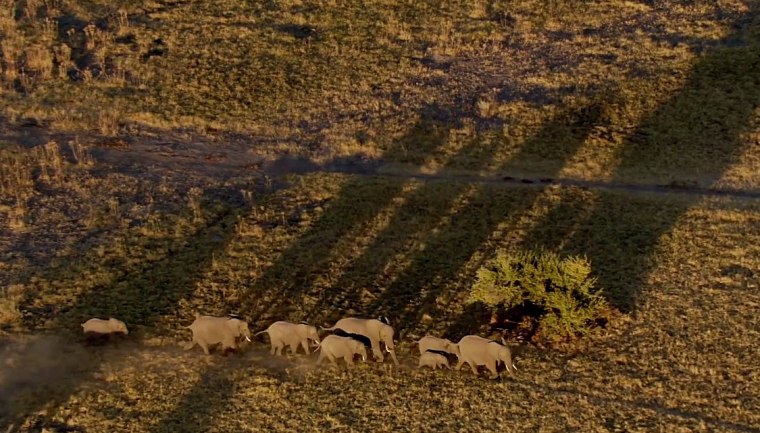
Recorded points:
(310, 160)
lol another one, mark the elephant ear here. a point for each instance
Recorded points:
(385, 320)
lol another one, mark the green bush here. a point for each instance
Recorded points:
(560, 288)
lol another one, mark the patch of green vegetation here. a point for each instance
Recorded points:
(561, 289)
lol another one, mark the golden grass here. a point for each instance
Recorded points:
(624, 92)
(329, 245)
(531, 88)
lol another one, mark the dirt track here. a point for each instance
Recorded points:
(231, 155)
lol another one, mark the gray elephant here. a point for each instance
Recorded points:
(210, 330)
(438, 344)
(284, 333)
(334, 347)
(375, 329)
(104, 327)
(476, 351)
(433, 360)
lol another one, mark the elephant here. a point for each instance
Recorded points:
(358, 337)
(210, 330)
(103, 327)
(334, 347)
(284, 333)
(439, 344)
(433, 360)
(377, 330)
(475, 351)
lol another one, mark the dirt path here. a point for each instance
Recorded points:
(231, 155)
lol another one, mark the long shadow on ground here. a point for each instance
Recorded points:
(139, 298)
(449, 221)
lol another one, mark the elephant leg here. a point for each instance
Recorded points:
(473, 367)
(378, 354)
(272, 349)
(189, 345)
(305, 345)
(349, 360)
(459, 365)
(204, 346)
(229, 344)
(333, 360)
(492, 368)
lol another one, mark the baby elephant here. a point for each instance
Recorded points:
(283, 334)
(209, 331)
(334, 347)
(477, 351)
(438, 344)
(103, 327)
(433, 360)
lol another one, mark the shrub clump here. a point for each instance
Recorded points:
(561, 290)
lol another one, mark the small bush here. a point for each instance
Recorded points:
(560, 289)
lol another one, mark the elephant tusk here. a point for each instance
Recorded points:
(248, 339)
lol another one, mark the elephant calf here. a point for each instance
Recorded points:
(209, 331)
(433, 360)
(283, 334)
(376, 330)
(334, 347)
(476, 351)
(439, 344)
(103, 327)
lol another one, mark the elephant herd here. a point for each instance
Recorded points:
(351, 337)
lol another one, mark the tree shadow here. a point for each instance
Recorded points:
(295, 271)
(139, 298)
(465, 217)
(620, 233)
(206, 399)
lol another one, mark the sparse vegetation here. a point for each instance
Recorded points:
(306, 160)
(560, 290)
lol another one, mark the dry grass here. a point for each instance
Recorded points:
(529, 88)
(333, 245)
(102, 213)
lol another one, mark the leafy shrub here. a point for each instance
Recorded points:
(561, 289)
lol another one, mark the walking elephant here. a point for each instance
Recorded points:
(433, 360)
(210, 330)
(334, 347)
(476, 351)
(376, 330)
(284, 333)
(438, 344)
(100, 326)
